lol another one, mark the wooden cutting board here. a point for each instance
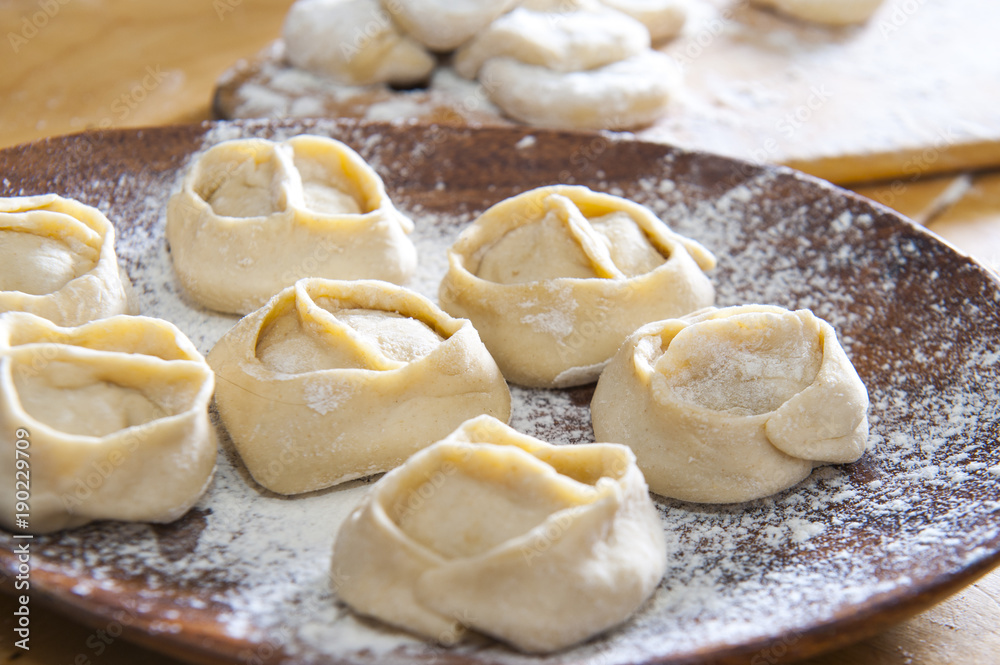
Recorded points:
(911, 92)
(907, 94)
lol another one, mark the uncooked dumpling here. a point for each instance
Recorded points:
(733, 404)
(537, 545)
(254, 216)
(562, 42)
(331, 381)
(833, 12)
(57, 260)
(556, 278)
(355, 42)
(623, 95)
(117, 414)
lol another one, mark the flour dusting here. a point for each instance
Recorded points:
(911, 511)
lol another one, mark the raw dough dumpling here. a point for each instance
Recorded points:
(562, 42)
(354, 42)
(556, 278)
(57, 260)
(733, 404)
(663, 18)
(537, 545)
(623, 95)
(833, 12)
(332, 381)
(116, 415)
(443, 25)
(254, 216)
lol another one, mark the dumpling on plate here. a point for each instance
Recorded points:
(557, 277)
(254, 216)
(733, 404)
(57, 260)
(112, 416)
(539, 546)
(331, 381)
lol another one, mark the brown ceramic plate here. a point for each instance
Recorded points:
(243, 577)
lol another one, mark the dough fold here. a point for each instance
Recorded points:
(539, 546)
(57, 260)
(733, 404)
(331, 381)
(557, 277)
(254, 216)
(115, 415)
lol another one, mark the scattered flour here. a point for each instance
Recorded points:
(910, 512)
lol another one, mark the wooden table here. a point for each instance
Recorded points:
(78, 64)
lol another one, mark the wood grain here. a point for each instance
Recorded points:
(119, 63)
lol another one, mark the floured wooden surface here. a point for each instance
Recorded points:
(905, 95)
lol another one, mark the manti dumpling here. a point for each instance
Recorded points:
(576, 65)
(332, 380)
(557, 277)
(254, 216)
(114, 419)
(57, 260)
(537, 545)
(733, 404)
(354, 42)
(832, 12)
